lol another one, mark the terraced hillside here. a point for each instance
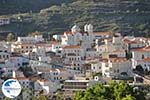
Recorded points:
(130, 17)
(23, 6)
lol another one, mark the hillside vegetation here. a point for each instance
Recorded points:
(22, 6)
(130, 17)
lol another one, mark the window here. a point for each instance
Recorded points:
(118, 70)
(114, 71)
(56, 73)
(106, 65)
(142, 56)
(78, 68)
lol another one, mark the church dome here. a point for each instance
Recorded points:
(75, 29)
(86, 28)
(90, 28)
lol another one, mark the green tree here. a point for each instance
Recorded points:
(60, 96)
(121, 90)
(79, 95)
(114, 91)
(42, 97)
(10, 37)
(129, 97)
(7, 98)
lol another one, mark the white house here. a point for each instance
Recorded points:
(56, 47)
(116, 67)
(4, 21)
(102, 35)
(139, 55)
(40, 51)
(30, 39)
(18, 60)
(22, 47)
(42, 61)
(96, 66)
(57, 37)
(145, 63)
(133, 43)
(57, 75)
(5, 51)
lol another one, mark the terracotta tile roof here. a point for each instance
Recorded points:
(118, 59)
(144, 60)
(103, 60)
(118, 51)
(72, 47)
(104, 33)
(134, 41)
(54, 42)
(68, 32)
(21, 78)
(145, 49)
(148, 39)
(67, 64)
(108, 39)
(93, 62)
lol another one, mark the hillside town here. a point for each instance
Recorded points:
(74, 61)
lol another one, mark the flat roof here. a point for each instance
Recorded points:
(76, 80)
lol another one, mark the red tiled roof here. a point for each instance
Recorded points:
(21, 78)
(72, 47)
(104, 33)
(54, 42)
(118, 59)
(144, 60)
(68, 32)
(145, 49)
(118, 51)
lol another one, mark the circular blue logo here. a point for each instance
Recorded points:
(11, 88)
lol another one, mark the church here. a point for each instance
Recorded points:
(77, 37)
